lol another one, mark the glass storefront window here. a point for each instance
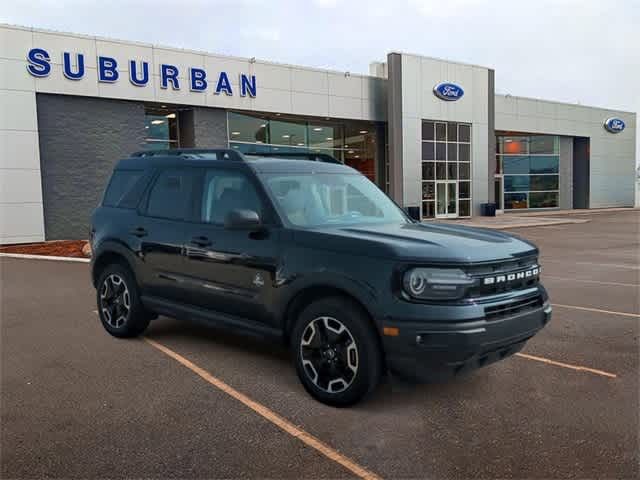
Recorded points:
(428, 170)
(513, 145)
(464, 133)
(351, 142)
(446, 169)
(541, 144)
(516, 183)
(543, 182)
(544, 164)
(161, 129)
(428, 131)
(428, 151)
(543, 199)
(515, 201)
(530, 165)
(464, 152)
(245, 128)
(288, 133)
(513, 165)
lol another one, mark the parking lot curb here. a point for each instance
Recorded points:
(45, 257)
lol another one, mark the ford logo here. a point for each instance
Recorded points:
(448, 91)
(614, 125)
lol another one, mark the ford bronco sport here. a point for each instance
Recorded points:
(309, 252)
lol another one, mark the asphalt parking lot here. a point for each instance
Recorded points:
(78, 403)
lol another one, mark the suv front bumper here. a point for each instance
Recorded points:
(437, 351)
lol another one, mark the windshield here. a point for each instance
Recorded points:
(317, 199)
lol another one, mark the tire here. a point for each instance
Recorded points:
(353, 370)
(119, 306)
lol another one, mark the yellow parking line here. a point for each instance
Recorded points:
(597, 310)
(269, 415)
(567, 365)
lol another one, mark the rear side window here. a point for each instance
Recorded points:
(170, 196)
(122, 184)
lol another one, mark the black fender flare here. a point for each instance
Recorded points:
(334, 282)
(108, 248)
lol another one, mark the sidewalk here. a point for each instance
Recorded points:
(534, 219)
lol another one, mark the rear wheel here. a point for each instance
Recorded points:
(336, 352)
(119, 306)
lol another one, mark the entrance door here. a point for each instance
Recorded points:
(447, 199)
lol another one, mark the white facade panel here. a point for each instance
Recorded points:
(21, 222)
(345, 107)
(19, 185)
(19, 149)
(310, 81)
(18, 110)
(13, 76)
(309, 103)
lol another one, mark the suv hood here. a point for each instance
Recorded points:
(429, 243)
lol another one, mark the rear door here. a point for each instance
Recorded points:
(233, 270)
(162, 232)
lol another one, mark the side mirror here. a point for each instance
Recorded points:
(238, 219)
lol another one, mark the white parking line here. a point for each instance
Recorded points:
(593, 264)
(44, 257)
(597, 310)
(616, 284)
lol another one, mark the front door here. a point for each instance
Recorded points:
(447, 199)
(232, 271)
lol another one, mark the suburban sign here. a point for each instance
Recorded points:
(448, 91)
(109, 71)
(614, 125)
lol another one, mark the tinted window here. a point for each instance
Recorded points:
(122, 182)
(170, 195)
(226, 190)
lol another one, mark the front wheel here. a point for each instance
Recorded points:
(336, 352)
(119, 306)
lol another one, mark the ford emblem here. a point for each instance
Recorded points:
(614, 125)
(448, 91)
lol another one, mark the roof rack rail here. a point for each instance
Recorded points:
(192, 153)
(313, 156)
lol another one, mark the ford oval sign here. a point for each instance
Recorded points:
(614, 125)
(448, 91)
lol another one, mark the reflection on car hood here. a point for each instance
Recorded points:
(430, 242)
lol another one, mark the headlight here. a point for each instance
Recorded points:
(436, 283)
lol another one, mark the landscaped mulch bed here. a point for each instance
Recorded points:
(57, 248)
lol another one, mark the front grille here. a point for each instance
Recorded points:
(508, 309)
(502, 268)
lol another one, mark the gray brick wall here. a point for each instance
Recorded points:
(81, 139)
(210, 128)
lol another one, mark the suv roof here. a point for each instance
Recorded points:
(260, 162)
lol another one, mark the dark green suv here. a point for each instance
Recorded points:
(309, 252)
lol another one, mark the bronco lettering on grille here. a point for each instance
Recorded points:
(511, 277)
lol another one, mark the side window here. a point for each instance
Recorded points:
(121, 184)
(170, 196)
(225, 190)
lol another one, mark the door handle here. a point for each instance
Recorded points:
(139, 232)
(201, 241)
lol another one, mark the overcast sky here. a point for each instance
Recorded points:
(583, 51)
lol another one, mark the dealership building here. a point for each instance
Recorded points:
(432, 133)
